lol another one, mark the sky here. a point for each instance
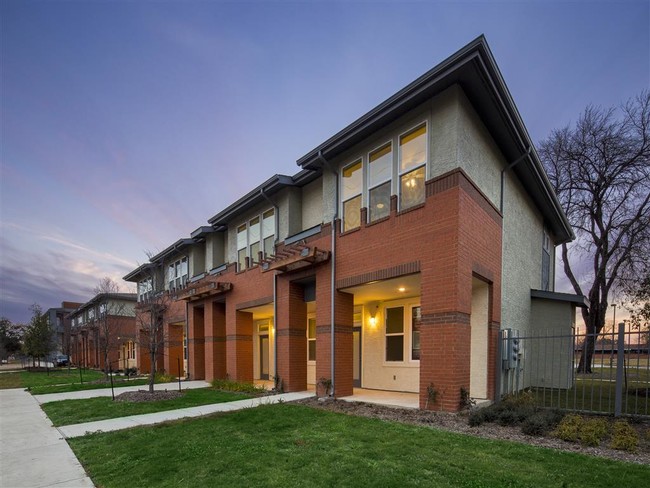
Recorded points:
(126, 125)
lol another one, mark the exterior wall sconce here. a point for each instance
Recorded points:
(373, 317)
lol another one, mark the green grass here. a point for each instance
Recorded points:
(37, 379)
(67, 412)
(117, 383)
(290, 445)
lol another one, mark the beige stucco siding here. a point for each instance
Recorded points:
(312, 204)
(214, 250)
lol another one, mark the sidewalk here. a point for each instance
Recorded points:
(78, 395)
(32, 452)
(78, 430)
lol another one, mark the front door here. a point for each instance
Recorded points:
(264, 357)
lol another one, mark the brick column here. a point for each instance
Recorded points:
(174, 349)
(196, 343)
(291, 330)
(215, 341)
(343, 322)
(239, 344)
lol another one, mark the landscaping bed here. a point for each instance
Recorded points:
(459, 423)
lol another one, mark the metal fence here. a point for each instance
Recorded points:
(547, 365)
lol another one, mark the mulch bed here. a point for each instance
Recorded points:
(146, 396)
(458, 423)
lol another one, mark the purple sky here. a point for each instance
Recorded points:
(126, 125)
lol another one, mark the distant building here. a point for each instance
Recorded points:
(59, 320)
(108, 318)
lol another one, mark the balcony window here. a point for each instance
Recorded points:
(145, 287)
(351, 188)
(241, 247)
(268, 232)
(412, 166)
(258, 234)
(254, 239)
(177, 274)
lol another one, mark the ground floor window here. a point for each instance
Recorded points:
(311, 339)
(402, 322)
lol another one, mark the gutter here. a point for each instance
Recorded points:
(333, 268)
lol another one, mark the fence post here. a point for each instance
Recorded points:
(620, 367)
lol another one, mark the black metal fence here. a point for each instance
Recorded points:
(547, 365)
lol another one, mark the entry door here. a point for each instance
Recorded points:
(264, 357)
(356, 357)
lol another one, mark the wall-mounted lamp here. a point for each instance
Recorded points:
(373, 316)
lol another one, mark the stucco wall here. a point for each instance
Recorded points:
(312, 204)
(214, 250)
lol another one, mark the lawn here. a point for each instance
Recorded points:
(292, 445)
(117, 382)
(37, 379)
(67, 412)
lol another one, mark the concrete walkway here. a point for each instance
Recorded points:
(32, 451)
(102, 392)
(78, 430)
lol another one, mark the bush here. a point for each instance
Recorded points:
(164, 378)
(541, 422)
(237, 386)
(569, 428)
(593, 431)
(624, 437)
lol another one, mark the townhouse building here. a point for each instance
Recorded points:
(59, 320)
(393, 260)
(104, 329)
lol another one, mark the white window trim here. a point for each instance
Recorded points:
(359, 159)
(408, 304)
(424, 123)
(390, 178)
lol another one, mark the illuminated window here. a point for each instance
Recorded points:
(351, 187)
(311, 339)
(412, 166)
(380, 172)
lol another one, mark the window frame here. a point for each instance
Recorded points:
(407, 304)
(390, 178)
(311, 317)
(342, 202)
(261, 241)
(425, 164)
(180, 279)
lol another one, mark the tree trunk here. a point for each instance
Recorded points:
(152, 377)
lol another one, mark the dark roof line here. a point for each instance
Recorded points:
(131, 297)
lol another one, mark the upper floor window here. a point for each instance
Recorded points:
(102, 309)
(258, 235)
(546, 262)
(177, 274)
(351, 188)
(91, 314)
(145, 287)
(380, 172)
(412, 166)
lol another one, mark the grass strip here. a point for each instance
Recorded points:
(291, 445)
(68, 412)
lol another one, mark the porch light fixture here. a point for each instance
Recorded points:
(401, 289)
(373, 317)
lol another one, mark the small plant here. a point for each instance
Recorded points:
(164, 378)
(432, 396)
(128, 372)
(325, 386)
(541, 422)
(593, 431)
(466, 402)
(569, 428)
(624, 437)
(278, 385)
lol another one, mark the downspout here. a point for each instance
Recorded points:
(333, 268)
(186, 346)
(528, 152)
(276, 213)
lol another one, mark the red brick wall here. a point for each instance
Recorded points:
(215, 341)
(196, 342)
(291, 327)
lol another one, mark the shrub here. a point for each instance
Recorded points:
(541, 422)
(624, 437)
(237, 386)
(569, 428)
(466, 401)
(593, 431)
(164, 378)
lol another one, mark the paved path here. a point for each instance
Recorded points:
(109, 425)
(32, 451)
(101, 392)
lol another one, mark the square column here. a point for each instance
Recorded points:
(215, 341)
(239, 345)
(291, 330)
(196, 343)
(174, 349)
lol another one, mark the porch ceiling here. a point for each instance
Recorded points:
(386, 289)
(260, 312)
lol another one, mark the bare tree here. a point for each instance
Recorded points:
(110, 319)
(600, 170)
(150, 316)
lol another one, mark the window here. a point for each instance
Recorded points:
(268, 232)
(311, 339)
(255, 236)
(395, 334)
(91, 314)
(254, 240)
(102, 309)
(546, 262)
(351, 187)
(416, 322)
(177, 274)
(241, 247)
(130, 350)
(380, 172)
(145, 287)
(412, 166)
